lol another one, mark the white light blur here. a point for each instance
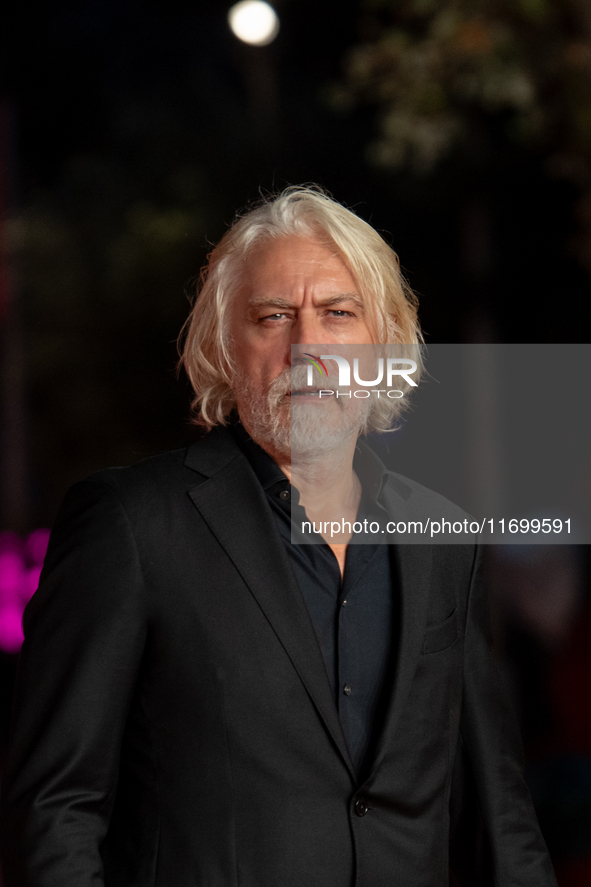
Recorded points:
(254, 22)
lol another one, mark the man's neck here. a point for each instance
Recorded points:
(328, 488)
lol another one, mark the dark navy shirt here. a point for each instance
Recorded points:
(355, 617)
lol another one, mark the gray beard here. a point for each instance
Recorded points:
(299, 432)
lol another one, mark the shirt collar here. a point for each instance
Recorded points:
(368, 466)
(264, 466)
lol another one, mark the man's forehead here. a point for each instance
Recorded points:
(295, 257)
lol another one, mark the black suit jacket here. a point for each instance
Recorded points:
(174, 724)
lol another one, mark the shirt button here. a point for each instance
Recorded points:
(347, 690)
(361, 807)
(284, 494)
(344, 604)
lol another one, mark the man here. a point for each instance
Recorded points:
(202, 703)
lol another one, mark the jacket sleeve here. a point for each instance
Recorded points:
(85, 631)
(491, 744)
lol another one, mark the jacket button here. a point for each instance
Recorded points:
(361, 807)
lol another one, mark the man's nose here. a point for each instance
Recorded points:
(307, 330)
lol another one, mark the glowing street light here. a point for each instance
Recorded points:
(254, 22)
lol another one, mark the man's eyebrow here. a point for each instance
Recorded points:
(338, 298)
(275, 302)
(278, 302)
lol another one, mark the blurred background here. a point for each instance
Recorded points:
(131, 131)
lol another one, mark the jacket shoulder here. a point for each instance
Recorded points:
(151, 471)
(169, 472)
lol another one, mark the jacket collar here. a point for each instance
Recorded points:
(234, 505)
(213, 452)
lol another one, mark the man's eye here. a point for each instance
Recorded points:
(278, 316)
(338, 312)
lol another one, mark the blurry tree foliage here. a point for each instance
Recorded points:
(446, 74)
(103, 259)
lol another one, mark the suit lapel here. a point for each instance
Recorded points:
(415, 564)
(234, 506)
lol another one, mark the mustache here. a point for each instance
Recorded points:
(295, 378)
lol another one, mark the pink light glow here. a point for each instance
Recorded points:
(11, 628)
(20, 565)
(11, 576)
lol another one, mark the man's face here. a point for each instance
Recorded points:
(295, 290)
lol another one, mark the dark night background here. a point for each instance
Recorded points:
(131, 134)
